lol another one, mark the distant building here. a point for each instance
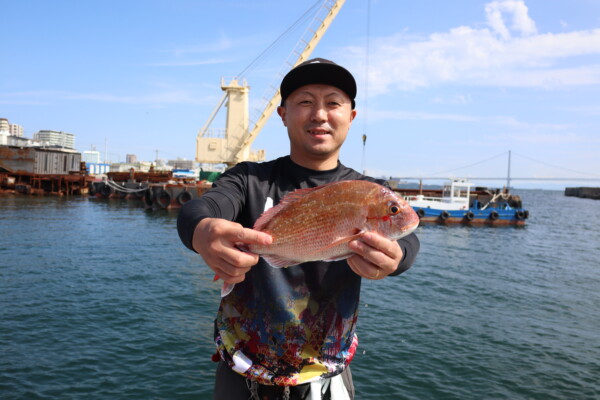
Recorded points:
(54, 138)
(141, 166)
(97, 168)
(16, 130)
(12, 135)
(4, 125)
(91, 156)
(181, 163)
(130, 158)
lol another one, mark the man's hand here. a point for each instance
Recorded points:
(215, 240)
(376, 256)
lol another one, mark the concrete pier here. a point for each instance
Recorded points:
(584, 192)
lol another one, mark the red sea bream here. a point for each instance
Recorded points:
(318, 223)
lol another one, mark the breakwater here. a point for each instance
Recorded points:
(584, 192)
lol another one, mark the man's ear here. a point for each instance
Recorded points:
(281, 111)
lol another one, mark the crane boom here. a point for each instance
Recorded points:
(234, 147)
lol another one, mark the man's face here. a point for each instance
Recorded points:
(318, 118)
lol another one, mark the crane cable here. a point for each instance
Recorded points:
(366, 97)
(254, 63)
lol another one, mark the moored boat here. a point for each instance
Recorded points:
(457, 203)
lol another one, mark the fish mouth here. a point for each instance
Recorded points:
(408, 230)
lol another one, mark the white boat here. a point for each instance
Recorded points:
(458, 204)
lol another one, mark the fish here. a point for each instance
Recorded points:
(316, 224)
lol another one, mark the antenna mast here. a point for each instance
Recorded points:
(508, 177)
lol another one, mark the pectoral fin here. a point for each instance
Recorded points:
(343, 240)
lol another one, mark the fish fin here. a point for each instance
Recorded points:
(340, 257)
(278, 262)
(346, 239)
(288, 199)
(282, 262)
(226, 289)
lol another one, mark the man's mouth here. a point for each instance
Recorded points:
(318, 132)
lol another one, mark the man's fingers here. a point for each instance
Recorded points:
(366, 269)
(236, 258)
(369, 253)
(251, 236)
(380, 243)
(376, 256)
(216, 240)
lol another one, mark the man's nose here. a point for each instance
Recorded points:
(319, 114)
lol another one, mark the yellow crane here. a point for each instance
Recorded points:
(233, 145)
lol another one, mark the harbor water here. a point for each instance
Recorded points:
(99, 299)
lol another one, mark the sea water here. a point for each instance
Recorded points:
(99, 299)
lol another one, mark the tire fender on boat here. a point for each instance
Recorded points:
(421, 213)
(149, 196)
(520, 214)
(469, 216)
(184, 197)
(106, 190)
(163, 199)
(444, 215)
(494, 215)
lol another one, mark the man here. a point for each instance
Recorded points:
(290, 332)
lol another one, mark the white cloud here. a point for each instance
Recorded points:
(165, 97)
(420, 116)
(497, 120)
(509, 52)
(521, 23)
(544, 139)
(454, 99)
(190, 63)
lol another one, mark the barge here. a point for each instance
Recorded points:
(42, 170)
(156, 189)
(456, 203)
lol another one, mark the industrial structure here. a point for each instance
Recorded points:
(233, 144)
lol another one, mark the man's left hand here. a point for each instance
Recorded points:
(376, 256)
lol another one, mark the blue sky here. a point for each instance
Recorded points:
(452, 86)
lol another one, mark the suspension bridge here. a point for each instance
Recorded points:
(440, 175)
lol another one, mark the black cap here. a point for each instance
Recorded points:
(318, 70)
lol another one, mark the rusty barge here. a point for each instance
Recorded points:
(42, 170)
(155, 189)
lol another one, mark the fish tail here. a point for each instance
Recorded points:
(226, 289)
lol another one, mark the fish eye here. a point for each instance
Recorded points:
(394, 209)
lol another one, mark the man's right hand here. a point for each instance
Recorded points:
(215, 239)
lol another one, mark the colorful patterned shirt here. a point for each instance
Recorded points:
(292, 325)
